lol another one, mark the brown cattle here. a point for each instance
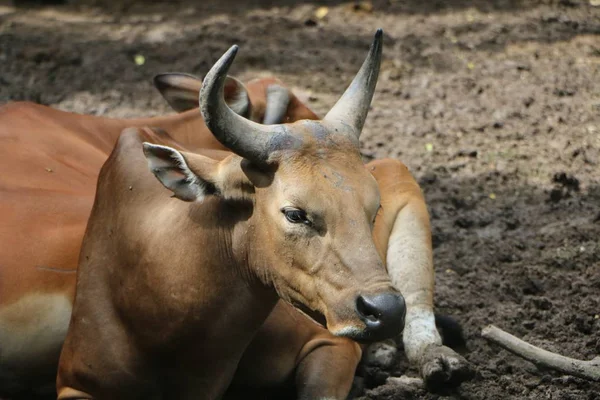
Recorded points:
(287, 343)
(170, 293)
(50, 163)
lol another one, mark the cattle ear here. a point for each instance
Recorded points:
(172, 169)
(182, 90)
(179, 89)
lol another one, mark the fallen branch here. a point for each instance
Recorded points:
(542, 358)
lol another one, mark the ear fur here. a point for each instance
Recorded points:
(172, 170)
(192, 177)
(181, 91)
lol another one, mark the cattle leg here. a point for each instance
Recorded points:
(404, 227)
(327, 370)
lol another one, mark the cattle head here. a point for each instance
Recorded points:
(313, 204)
(264, 100)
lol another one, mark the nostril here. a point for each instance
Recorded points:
(366, 310)
(382, 313)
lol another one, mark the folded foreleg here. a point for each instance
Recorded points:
(404, 226)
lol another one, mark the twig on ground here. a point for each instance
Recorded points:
(542, 358)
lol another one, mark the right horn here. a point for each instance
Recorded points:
(242, 136)
(352, 108)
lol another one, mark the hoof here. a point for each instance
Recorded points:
(442, 368)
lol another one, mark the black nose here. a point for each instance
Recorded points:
(383, 314)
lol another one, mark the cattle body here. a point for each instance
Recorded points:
(288, 346)
(50, 163)
(173, 291)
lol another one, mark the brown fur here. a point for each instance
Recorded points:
(50, 162)
(175, 291)
(286, 345)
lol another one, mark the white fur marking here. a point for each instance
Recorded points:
(419, 332)
(32, 332)
(348, 331)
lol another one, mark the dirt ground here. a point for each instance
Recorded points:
(493, 105)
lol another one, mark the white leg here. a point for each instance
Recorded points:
(410, 265)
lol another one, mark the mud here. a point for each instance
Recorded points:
(493, 105)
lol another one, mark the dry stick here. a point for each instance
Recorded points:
(540, 357)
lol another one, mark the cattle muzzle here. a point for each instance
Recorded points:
(383, 315)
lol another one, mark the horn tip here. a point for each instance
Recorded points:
(231, 53)
(377, 41)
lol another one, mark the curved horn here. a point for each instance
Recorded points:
(278, 100)
(244, 137)
(352, 108)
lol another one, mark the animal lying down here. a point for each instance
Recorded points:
(50, 162)
(288, 344)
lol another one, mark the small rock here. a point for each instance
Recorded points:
(406, 381)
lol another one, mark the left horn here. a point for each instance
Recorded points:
(352, 108)
(244, 137)
(278, 100)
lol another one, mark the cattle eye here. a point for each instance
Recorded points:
(296, 216)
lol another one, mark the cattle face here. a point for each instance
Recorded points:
(309, 232)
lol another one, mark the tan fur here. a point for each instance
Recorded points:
(285, 335)
(160, 275)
